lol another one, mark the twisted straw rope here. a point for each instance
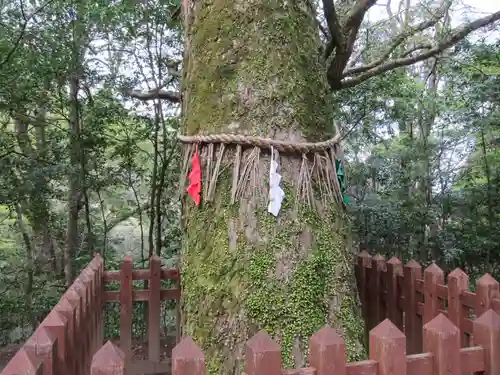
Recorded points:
(246, 140)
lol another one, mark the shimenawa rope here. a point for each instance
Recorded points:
(247, 140)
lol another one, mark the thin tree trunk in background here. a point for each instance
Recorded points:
(74, 197)
(427, 116)
(429, 112)
(75, 175)
(252, 67)
(86, 204)
(37, 204)
(161, 180)
(28, 288)
(43, 222)
(154, 183)
(104, 224)
(140, 212)
(489, 193)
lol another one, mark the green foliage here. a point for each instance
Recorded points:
(122, 155)
(455, 220)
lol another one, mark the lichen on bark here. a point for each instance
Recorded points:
(253, 67)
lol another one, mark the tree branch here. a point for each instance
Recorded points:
(20, 36)
(404, 35)
(173, 69)
(159, 93)
(357, 13)
(332, 21)
(127, 215)
(457, 35)
(416, 48)
(343, 51)
(172, 96)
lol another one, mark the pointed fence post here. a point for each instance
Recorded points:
(57, 324)
(83, 348)
(433, 275)
(394, 271)
(487, 334)
(327, 353)
(86, 278)
(442, 339)
(109, 360)
(263, 355)
(387, 347)
(458, 282)
(364, 262)
(96, 292)
(154, 308)
(100, 302)
(66, 309)
(376, 292)
(43, 346)
(76, 302)
(486, 290)
(126, 307)
(23, 363)
(413, 322)
(187, 358)
(364, 268)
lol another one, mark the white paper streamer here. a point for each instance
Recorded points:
(276, 194)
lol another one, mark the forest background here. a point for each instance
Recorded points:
(90, 162)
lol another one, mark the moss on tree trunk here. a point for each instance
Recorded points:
(253, 67)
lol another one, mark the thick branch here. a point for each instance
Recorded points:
(404, 35)
(350, 30)
(333, 26)
(159, 92)
(457, 35)
(172, 96)
(127, 215)
(357, 13)
(416, 48)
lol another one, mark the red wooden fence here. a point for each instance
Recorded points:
(154, 294)
(71, 335)
(390, 290)
(327, 353)
(438, 321)
(66, 340)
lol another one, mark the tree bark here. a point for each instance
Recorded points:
(252, 67)
(74, 194)
(28, 288)
(42, 220)
(37, 205)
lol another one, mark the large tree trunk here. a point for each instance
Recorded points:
(253, 67)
